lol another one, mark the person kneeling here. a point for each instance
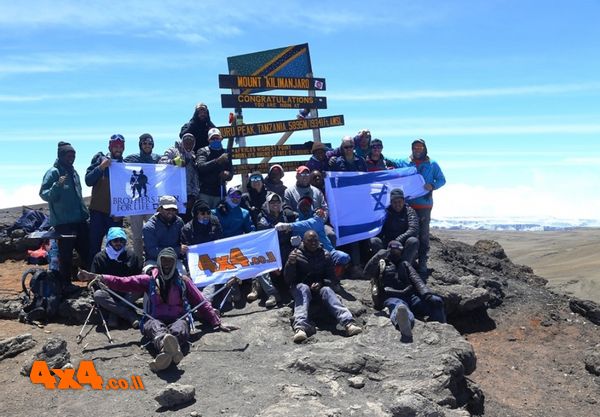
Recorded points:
(396, 285)
(170, 298)
(309, 271)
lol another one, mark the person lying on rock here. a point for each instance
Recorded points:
(309, 271)
(396, 285)
(170, 296)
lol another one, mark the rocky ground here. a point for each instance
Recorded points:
(513, 348)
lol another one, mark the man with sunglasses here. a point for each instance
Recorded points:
(97, 177)
(255, 197)
(119, 260)
(302, 188)
(375, 159)
(144, 156)
(348, 160)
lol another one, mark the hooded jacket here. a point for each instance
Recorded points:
(396, 276)
(198, 128)
(171, 307)
(431, 172)
(189, 158)
(142, 157)
(234, 220)
(64, 201)
(253, 200)
(125, 265)
(194, 233)
(341, 164)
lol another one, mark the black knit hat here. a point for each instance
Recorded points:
(396, 193)
(63, 148)
(200, 205)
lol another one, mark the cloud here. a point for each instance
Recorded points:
(466, 201)
(203, 21)
(544, 89)
(22, 195)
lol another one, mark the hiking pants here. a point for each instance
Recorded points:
(155, 330)
(302, 297)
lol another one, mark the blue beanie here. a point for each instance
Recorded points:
(116, 233)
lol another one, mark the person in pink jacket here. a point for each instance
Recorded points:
(171, 297)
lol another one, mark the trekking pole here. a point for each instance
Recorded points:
(80, 337)
(127, 302)
(229, 284)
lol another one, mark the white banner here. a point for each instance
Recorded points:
(136, 188)
(357, 200)
(244, 256)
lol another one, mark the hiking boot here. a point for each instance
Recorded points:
(112, 321)
(171, 347)
(403, 323)
(255, 293)
(135, 324)
(161, 362)
(352, 329)
(271, 301)
(300, 336)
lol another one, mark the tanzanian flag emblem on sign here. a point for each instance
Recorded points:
(292, 61)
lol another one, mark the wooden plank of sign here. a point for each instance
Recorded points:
(271, 83)
(257, 101)
(264, 167)
(281, 126)
(272, 150)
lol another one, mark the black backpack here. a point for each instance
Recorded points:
(41, 300)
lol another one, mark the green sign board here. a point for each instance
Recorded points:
(256, 101)
(281, 126)
(290, 61)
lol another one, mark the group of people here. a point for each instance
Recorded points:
(156, 262)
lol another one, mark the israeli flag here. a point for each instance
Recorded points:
(357, 200)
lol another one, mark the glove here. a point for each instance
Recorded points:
(283, 227)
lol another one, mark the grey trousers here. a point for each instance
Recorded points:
(302, 297)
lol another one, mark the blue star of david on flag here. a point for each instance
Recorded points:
(378, 197)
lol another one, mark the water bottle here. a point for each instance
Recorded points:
(53, 258)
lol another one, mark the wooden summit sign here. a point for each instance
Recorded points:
(271, 83)
(272, 150)
(264, 167)
(272, 102)
(281, 126)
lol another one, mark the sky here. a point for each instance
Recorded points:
(506, 93)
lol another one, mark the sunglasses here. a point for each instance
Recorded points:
(204, 211)
(236, 195)
(275, 202)
(255, 179)
(148, 142)
(348, 147)
(377, 146)
(304, 174)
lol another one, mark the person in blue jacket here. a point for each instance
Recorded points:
(434, 179)
(234, 219)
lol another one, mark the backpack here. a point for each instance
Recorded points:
(38, 256)
(30, 221)
(41, 301)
